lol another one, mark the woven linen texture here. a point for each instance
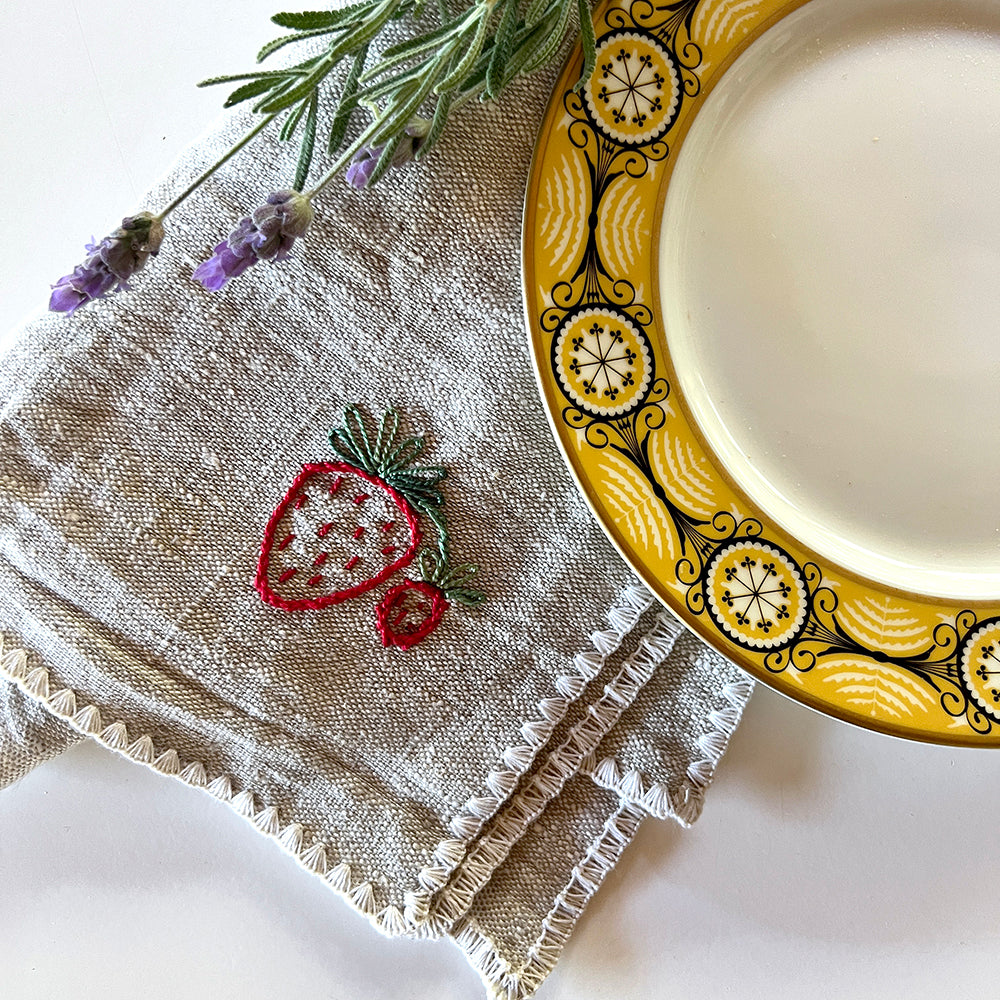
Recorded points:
(148, 438)
(29, 735)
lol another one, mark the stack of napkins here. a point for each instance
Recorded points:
(197, 574)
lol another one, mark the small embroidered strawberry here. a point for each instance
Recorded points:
(411, 610)
(345, 526)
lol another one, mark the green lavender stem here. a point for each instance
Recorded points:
(233, 150)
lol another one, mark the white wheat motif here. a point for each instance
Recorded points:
(721, 22)
(635, 509)
(563, 214)
(881, 624)
(684, 472)
(878, 690)
(621, 233)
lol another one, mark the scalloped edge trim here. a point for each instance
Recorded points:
(423, 909)
(567, 760)
(685, 804)
(504, 983)
(88, 720)
(414, 919)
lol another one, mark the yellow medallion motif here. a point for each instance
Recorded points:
(756, 594)
(634, 93)
(602, 359)
(979, 662)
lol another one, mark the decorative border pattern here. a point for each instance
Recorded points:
(684, 804)
(561, 764)
(586, 878)
(892, 662)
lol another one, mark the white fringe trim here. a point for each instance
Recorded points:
(291, 837)
(414, 919)
(422, 908)
(489, 852)
(686, 802)
(506, 983)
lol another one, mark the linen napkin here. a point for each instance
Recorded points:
(479, 782)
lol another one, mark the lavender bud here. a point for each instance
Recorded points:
(364, 161)
(109, 264)
(268, 233)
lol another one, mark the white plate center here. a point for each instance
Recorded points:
(830, 284)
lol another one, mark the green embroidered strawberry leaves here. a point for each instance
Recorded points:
(344, 527)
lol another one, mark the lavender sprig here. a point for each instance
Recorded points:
(476, 53)
(266, 234)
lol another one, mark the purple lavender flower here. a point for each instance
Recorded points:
(267, 234)
(110, 263)
(364, 161)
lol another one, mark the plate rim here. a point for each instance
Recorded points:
(553, 405)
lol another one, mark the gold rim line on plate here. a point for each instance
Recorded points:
(943, 628)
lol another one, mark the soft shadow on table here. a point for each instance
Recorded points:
(773, 760)
(822, 847)
(115, 880)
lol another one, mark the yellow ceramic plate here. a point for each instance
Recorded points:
(762, 280)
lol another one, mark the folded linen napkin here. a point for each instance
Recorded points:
(479, 782)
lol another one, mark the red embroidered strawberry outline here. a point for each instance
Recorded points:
(346, 526)
(411, 610)
(339, 531)
(335, 478)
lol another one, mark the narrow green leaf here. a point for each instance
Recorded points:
(308, 20)
(550, 43)
(252, 89)
(365, 32)
(308, 144)
(503, 41)
(330, 18)
(261, 74)
(588, 42)
(415, 46)
(279, 43)
(398, 116)
(346, 45)
(441, 111)
(282, 88)
(538, 10)
(377, 90)
(348, 103)
(527, 41)
(291, 123)
(467, 61)
(303, 88)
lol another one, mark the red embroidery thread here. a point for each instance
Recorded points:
(384, 464)
(409, 612)
(268, 587)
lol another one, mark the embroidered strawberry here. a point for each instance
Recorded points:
(411, 610)
(345, 526)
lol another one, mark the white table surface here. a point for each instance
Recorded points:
(830, 862)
